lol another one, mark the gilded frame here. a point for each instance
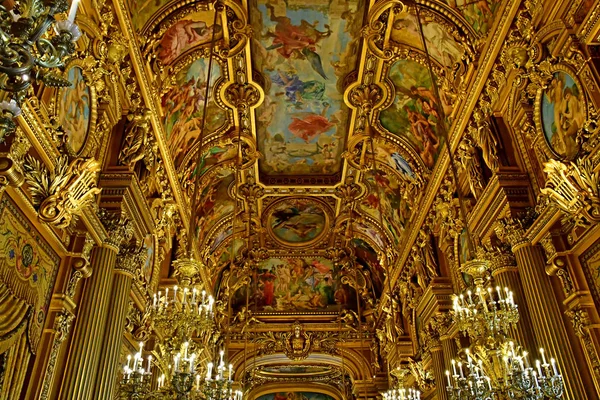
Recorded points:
(538, 117)
(87, 77)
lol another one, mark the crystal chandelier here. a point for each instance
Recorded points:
(400, 393)
(495, 367)
(184, 309)
(28, 52)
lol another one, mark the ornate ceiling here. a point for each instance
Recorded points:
(303, 96)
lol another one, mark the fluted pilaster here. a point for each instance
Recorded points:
(111, 349)
(450, 350)
(130, 258)
(546, 318)
(439, 367)
(86, 347)
(523, 331)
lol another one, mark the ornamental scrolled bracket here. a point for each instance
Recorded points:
(61, 193)
(574, 188)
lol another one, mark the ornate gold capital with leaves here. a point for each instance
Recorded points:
(118, 226)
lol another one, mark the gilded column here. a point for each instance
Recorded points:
(86, 347)
(506, 274)
(546, 318)
(439, 370)
(432, 342)
(129, 259)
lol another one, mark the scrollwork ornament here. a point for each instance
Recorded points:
(76, 276)
(61, 193)
(581, 324)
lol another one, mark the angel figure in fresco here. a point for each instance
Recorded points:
(422, 131)
(296, 91)
(307, 126)
(182, 36)
(297, 41)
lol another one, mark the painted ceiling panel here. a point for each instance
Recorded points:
(304, 49)
(183, 109)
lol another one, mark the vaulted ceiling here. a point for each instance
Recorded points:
(303, 96)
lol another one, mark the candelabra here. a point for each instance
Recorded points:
(28, 52)
(401, 393)
(136, 380)
(495, 367)
(218, 386)
(186, 311)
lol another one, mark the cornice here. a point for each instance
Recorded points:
(150, 101)
(124, 187)
(505, 190)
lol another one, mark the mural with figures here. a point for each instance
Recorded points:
(386, 194)
(296, 284)
(304, 49)
(440, 44)
(214, 202)
(295, 396)
(74, 105)
(142, 10)
(182, 107)
(193, 30)
(210, 158)
(28, 268)
(367, 257)
(479, 13)
(413, 114)
(563, 114)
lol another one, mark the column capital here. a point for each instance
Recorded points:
(118, 227)
(511, 231)
(501, 259)
(130, 259)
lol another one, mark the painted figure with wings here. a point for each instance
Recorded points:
(297, 41)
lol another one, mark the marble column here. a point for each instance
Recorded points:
(546, 316)
(86, 347)
(128, 260)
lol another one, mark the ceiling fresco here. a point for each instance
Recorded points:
(295, 396)
(444, 44)
(194, 30)
(478, 14)
(298, 284)
(313, 213)
(183, 109)
(413, 113)
(297, 221)
(304, 49)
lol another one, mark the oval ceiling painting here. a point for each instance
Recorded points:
(563, 114)
(74, 109)
(297, 221)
